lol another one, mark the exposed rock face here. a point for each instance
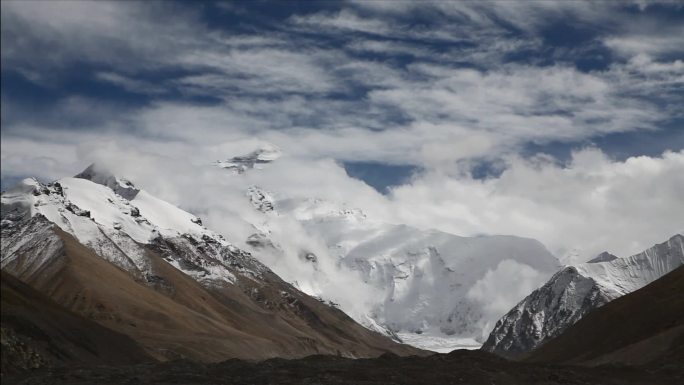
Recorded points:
(144, 268)
(260, 241)
(644, 327)
(545, 313)
(239, 164)
(575, 291)
(260, 199)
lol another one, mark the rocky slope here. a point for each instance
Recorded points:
(144, 268)
(575, 291)
(458, 367)
(37, 332)
(645, 327)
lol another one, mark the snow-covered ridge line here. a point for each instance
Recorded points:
(118, 228)
(624, 275)
(576, 290)
(143, 217)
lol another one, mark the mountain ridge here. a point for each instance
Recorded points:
(644, 327)
(574, 291)
(181, 289)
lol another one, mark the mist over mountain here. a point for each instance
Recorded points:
(429, 288)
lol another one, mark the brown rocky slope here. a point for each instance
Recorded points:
(37, 332)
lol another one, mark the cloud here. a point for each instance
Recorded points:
(502, 288)
(61, 32)
(520, 102)
(460, 83)
(590, 205)
(650, 45)
(129, 84)
(344, 20)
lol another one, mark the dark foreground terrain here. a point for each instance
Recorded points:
(459, 367)
(636, 339)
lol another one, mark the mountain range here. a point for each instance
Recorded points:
(426, 287)
(101, 273)
(114, 254)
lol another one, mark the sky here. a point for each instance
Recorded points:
(556, 120)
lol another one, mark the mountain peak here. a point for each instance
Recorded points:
(603, 257)
(575, 291)
(266, 153)
(101, 175)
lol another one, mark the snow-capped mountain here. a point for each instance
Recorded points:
(574, 291)
(431, 289)
(114, 253)
(115, 226)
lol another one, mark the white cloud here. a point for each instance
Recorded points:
(502, 288)
(124, 34)
(344, 20)
(588, 206)
(651, 45)
(129, 84)
(320, 102)
(25, 157)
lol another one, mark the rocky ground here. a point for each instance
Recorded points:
(459, 367)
